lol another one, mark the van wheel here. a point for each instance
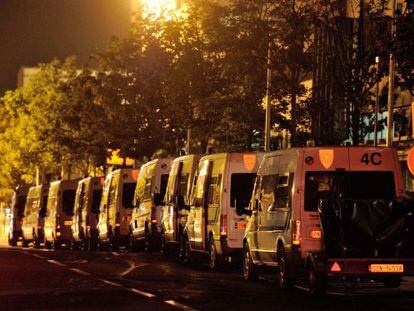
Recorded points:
(213, 260)
(12, 242)
(92, 244)
(249, 268)
(283, 277)
(115, 244)
(318, 282)
(392, 281)
(25, 243)
(148, 241)
(74, 245)
(57, 245)
(185, 250)
(36, 242)
(48, 245)
(163, 245)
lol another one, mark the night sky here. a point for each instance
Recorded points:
(33, 31)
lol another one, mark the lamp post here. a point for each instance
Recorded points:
(267, 100)
(391, 78)
(376, 110)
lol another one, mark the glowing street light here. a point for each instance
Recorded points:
(157, 7)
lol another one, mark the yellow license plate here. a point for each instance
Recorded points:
(67, 223)
(386, 268)
(241, 225)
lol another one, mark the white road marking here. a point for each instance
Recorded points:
(130, 269)
(179, 305)
(111, 283)
(140, 292)
(57, 263)
(81, 272)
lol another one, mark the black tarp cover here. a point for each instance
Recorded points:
(367, 228)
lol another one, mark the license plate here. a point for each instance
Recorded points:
(241, 225)
(386, 268)
(67, 223)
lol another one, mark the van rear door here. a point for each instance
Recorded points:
(317, 160)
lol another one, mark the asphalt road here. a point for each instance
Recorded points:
(43, 279)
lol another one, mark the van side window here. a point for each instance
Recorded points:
(283, 191)
(268, 191)
(148, 186)
(214, 190)
(182, 185)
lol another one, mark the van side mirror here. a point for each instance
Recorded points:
(157, 199)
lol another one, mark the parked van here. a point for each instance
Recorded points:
(34, 215)
(297, 188)
(177, 199)
(216, 222)
(59, 213)
(148, 202)
(17, 214)
(86, 213)
(116, 208)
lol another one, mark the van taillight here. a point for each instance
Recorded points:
(223, 225)
(118, 219)
(296, 232)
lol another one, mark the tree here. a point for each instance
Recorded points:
(348, 46)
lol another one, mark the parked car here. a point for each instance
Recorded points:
(116, 208)
(323, 213)
(34, 215)
(216, 222)
(86, 213)
(177, 199)
(17, 214)
(58, 220)
(148, 202)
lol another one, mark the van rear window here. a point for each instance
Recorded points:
(96, 200)
(241, 189)
(68, 201)
(128, 192)
(351, 185)
(21, 202)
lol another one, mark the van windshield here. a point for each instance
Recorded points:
(68, 201)
(21, 202)
(241, 189)
(128, 192)
(96, 201)
(359, 185)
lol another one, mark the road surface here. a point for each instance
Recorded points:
(76, 280)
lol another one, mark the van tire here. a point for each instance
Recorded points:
(148, 242)
(48, 245)
(25, 243)
(250, 272)
(213, 257)
(318, 282)
(57, 245)
(185, 250)
(284, 279)
(163, 245)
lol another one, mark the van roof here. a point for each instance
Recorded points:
(224, 154)
(298, 149)
(189, 156)
(157, 160)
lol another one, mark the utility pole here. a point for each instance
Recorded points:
(391, 78)
(267, 99)
(376, 110)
